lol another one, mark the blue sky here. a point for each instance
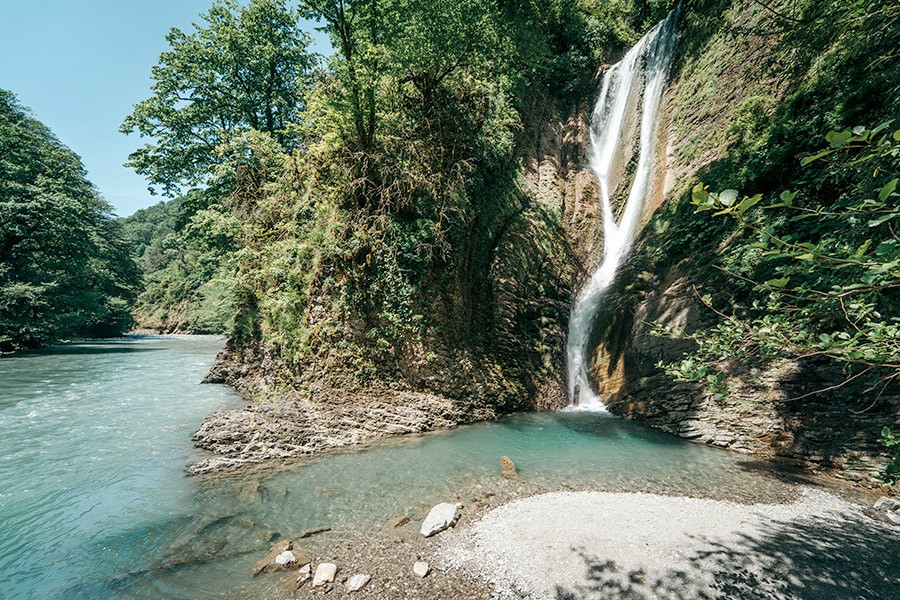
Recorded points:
(81, 66)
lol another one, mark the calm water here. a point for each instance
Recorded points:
(94, 503)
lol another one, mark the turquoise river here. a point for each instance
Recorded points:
(94, 502)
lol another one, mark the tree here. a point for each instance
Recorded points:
(247, 68)
(65, 268)
(431, 41)
(355, 30)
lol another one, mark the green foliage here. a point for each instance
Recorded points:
(187, 264)
(826, 276)
(360, 240)
(890, 473)
(246, 68)
(66, 269)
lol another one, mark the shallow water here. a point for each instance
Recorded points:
(94, 503)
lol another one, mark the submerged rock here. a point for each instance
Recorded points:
(399, 522)
(357, 582)
(325, 573)
(421, 569)
(311, 532)
(440, 517)
(508, 469)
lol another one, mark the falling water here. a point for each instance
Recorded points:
(632, 87)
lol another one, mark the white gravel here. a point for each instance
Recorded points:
(615, 545)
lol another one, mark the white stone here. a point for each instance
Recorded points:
(304, 574)
(325, 573)
(441, 517)
(357, 582)
(285, 558)
(890, 508)
(421, 569)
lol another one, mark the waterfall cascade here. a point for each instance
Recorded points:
(631, 90)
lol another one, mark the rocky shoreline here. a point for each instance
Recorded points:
(520, 541)
(303, 426)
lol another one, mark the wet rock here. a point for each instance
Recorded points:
(399, 522)
(357, 582)
(421, 569)
(325, 573)
(508, 469)
(249, 492)
(311, 532)
(283, 555)
(440, 517)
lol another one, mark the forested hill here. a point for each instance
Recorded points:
(66, 268)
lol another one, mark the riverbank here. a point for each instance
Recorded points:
(510, 543)
(296, 427)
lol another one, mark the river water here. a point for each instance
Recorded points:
(94, 502)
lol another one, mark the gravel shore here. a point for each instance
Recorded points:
(574, 545)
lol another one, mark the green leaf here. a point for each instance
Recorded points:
(778, 283)
(881, 219)
(838, 140)
(727, 197)
(748, 202)
(808, 159)
(888, 189)
(861, 251)
(806, 256)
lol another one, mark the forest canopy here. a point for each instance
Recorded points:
(66, 269)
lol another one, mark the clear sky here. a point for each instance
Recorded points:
(81, 66)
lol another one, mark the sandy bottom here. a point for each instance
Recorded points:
(575, 545)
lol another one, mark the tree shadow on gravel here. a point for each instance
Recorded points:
(815, 559)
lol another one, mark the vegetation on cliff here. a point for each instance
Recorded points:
(380, 232)
(807, 269)
(66, 269)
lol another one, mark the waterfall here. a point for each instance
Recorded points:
(632, 87)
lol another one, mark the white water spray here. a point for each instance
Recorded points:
(641, 75)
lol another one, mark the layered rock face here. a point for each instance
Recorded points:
(767, 412)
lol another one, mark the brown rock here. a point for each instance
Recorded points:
(399, 522)
(508, 469)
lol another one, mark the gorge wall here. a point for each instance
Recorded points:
(723, 86)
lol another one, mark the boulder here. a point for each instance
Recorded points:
(508, 469)
(440, 517)
(325, 573)
(421, 569)
(284, 555)
(357, 582)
